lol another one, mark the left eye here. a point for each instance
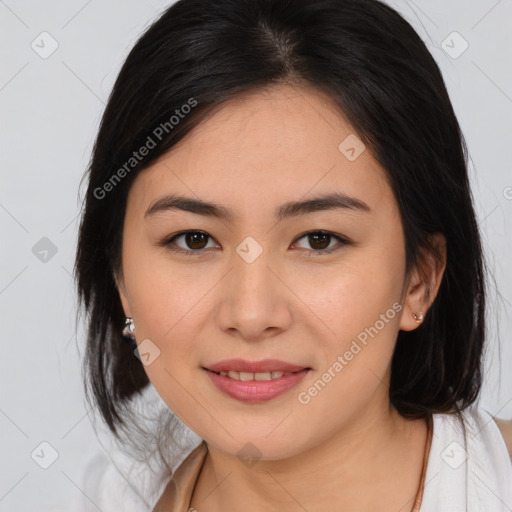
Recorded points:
(320, 240)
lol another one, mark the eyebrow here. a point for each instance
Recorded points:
(333, 201)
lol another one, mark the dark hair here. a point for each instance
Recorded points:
(382, 78)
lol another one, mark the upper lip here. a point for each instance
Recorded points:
(266, 365)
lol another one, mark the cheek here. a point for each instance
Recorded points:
(351, 296)
(162, 291)
(354, 374)
(360, 311)
(166, 308)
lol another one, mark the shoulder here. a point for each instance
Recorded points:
(505, 427)
(178, 491)
(487, 434)
(468, 467)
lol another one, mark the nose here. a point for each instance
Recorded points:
(255, 303)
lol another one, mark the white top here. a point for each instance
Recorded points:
(473, 474)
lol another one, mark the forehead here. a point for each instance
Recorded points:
(267, 146)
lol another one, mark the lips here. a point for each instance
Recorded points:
(266, 365)
(254, 391)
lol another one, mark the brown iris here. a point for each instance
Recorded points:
(323, 239)
(196, 240)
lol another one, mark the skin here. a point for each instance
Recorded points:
(253, 154)
(505, 427)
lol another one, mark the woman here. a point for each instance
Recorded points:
(278, 217)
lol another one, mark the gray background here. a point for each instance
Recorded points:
(50, 110)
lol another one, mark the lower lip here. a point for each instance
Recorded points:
(256, 390)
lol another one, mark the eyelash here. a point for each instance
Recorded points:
(167, 242)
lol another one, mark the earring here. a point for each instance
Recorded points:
(128, 331)
(418, 318)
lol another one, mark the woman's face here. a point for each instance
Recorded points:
(256, 285)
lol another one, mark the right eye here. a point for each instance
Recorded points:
(194, 242)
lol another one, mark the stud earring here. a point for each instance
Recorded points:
(128, 331)
(418, 318)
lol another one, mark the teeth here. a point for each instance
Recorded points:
(254, 376)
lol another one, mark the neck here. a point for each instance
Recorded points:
(374, 463)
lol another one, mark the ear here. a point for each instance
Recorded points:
(121, 288)
(424, 282)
